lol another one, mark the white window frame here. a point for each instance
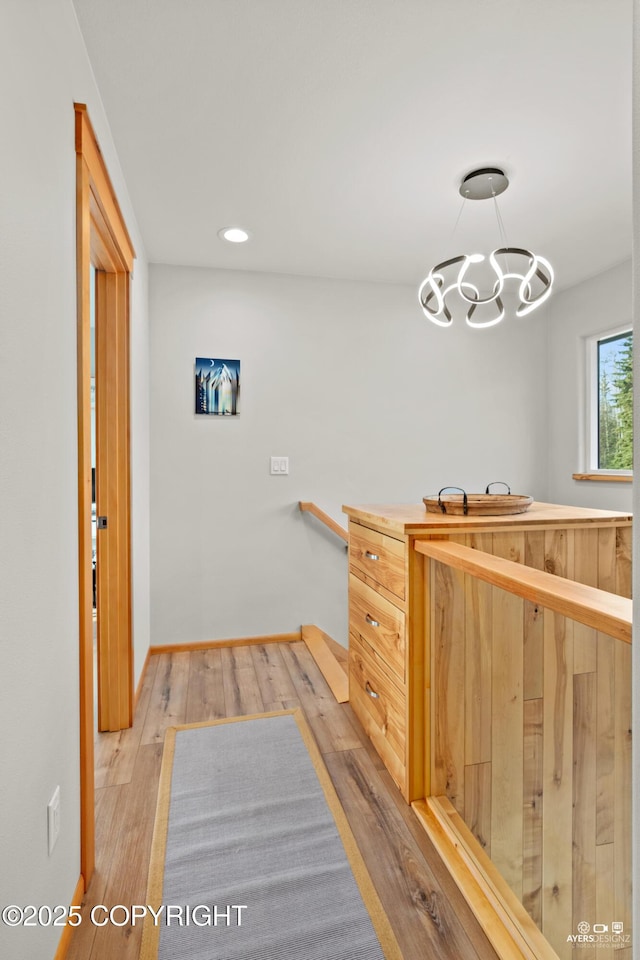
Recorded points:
(592, 411)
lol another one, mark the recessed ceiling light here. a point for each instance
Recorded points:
(233, 234)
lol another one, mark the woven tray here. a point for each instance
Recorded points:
(477, 504)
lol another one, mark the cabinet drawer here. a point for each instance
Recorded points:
(379, 557)
(380, 706)
(379, 622)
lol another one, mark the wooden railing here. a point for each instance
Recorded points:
(309, 507)
(603, 611)
(330, 656)
(529, 794)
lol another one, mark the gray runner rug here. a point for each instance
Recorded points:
(253, 858)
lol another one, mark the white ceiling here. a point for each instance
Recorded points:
(337, 131)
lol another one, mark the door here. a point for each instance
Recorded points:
(113, 573)
(102, 240)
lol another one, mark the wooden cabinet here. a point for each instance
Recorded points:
(379, 701)
(379, 559)
(394, 610)
(385, 671)
(380, 624)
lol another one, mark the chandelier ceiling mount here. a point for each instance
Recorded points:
(483, 184)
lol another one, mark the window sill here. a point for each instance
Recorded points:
(606, 477)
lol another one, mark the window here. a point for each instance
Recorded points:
(610, 372)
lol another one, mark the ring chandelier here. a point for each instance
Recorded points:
(457, 276)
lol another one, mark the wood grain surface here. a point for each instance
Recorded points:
(549, 801)
(429, 915)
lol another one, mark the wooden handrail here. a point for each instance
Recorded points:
(308, 507)
(606, 612)
(509, 927)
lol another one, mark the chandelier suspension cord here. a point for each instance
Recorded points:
(501, 230)
(455, 226)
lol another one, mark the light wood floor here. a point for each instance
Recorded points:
(426, 910)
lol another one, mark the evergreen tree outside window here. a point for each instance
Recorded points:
(614, 410)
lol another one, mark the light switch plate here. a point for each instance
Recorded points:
(279, 466)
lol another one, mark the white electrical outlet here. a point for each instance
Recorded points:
(279, 466)
(53, 819)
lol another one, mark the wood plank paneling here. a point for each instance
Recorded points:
(561, 722)
(623, 561)
(510, 545)
(478, 661)
(477, 803)
(585, 571)
(418, 678)
(534, 549)
(623, 790)
(506, 738)
(557, 823)
(607, 575)
(566, 762)
(533, 621)
(533, 652)
(448, 685)
(584, 799)
(605, 745)
(605, 889)
(558, 552)
(532, 809)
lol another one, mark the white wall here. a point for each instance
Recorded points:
(596, 306)
(43, 70)
(371, 403)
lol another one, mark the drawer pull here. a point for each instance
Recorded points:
(371, 556)
(369, 619)
(371, 691)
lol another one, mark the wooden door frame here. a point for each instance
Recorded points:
(101, 239)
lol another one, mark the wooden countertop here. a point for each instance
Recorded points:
(405, 518)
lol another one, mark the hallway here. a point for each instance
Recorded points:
(426, 910)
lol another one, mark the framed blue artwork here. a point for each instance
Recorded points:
(217, 387)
